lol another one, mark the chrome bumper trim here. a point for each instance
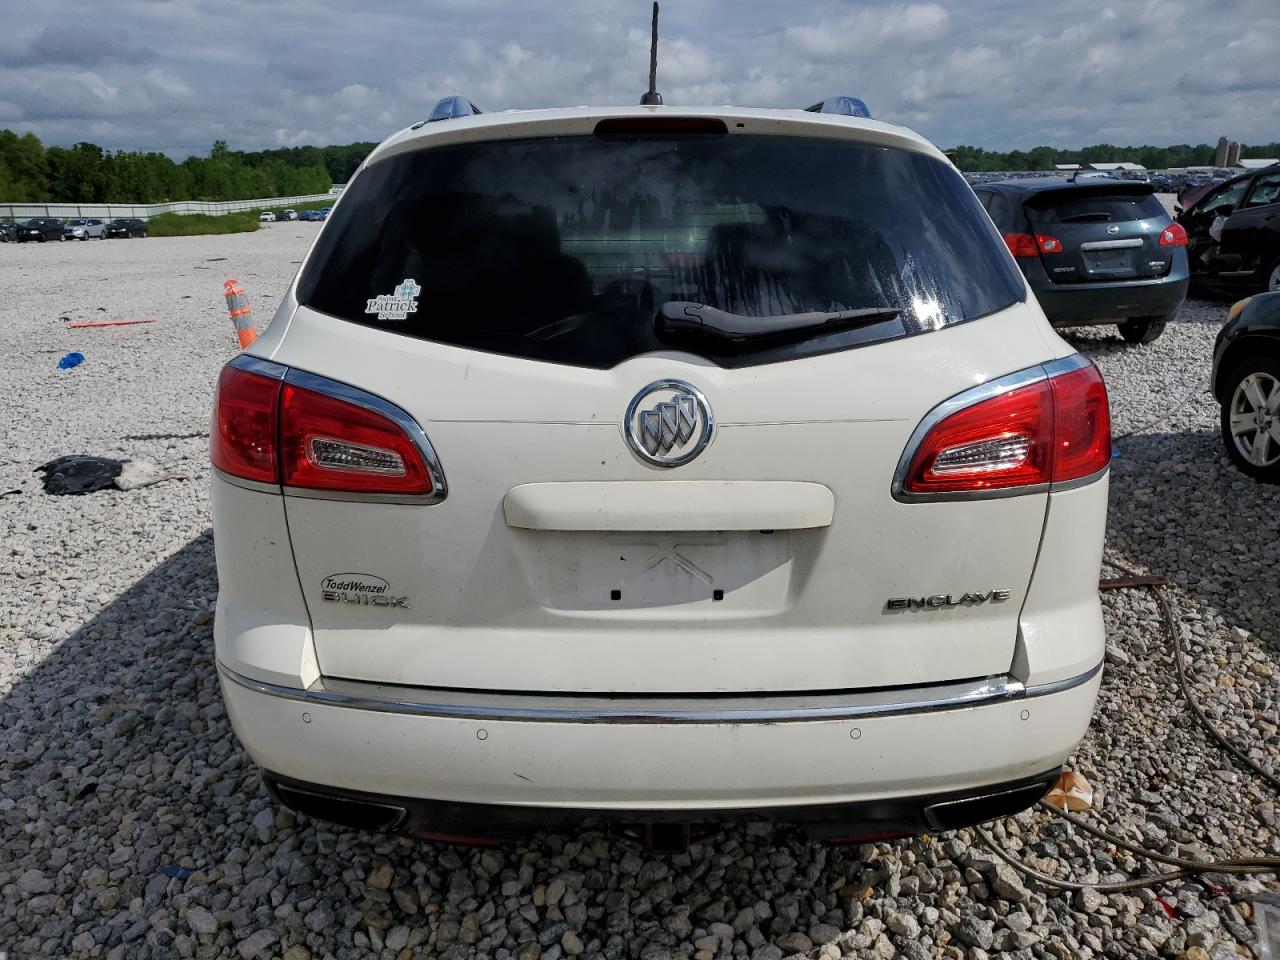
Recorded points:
(571, 708)
(1058, 686)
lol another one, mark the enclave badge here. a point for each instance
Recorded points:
(939, 601)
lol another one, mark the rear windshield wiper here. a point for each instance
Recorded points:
(686, 316)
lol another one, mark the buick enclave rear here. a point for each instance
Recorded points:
(658, 464)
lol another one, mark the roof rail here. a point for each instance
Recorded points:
(450, 108)
(845, 106)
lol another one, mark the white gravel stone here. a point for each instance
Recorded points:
(118, 763)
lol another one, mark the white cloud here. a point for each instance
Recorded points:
(869, 28)
(166, 76)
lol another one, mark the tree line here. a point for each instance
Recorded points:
(86, 173)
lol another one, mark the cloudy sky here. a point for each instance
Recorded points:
(174, 75)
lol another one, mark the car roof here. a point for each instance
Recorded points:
(579, 121)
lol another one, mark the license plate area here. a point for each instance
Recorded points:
(667, 575)
(1110, 262)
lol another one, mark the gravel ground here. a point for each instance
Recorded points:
(134, 826)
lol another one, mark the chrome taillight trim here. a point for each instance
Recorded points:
(375, 404)
(968, 398)
(257, 486)
(360, 398)
(263, 368)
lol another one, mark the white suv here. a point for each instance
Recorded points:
(659, 465)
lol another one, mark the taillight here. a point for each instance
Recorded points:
(1021, 244)
(332, 444)
(244, 432)
(295, 429)
(1047, 431)
(1174, 235)
(1032, 245)
(1001, 442)
(1081, 424)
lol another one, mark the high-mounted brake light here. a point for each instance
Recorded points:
(331, 444)
(1032, 245)
(1174, 235)
(243, 435)
(1050, 430)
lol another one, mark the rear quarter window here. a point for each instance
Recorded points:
(563, 249)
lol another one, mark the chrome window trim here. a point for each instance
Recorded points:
(968, 398)
(375, 404)
(571, 708)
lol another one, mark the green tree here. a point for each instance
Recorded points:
(24, 171)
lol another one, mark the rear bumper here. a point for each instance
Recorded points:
(491, 823)
(1083, 303)
(883, 757)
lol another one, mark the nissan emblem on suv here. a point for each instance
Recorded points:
(668, 423)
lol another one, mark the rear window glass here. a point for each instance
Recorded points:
(564, 249)
(1101, 208)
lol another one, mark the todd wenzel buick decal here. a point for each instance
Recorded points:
(360, 588)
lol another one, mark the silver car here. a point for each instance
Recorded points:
(84, 229)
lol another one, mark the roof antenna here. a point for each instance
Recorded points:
(653, 98)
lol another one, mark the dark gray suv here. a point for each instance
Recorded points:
(1094, 251)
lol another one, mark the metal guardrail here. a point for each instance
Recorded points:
(104, 211)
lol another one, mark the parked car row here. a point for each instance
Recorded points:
(270, 216)
(1161, 182)
(1104, 250)
(44, 229)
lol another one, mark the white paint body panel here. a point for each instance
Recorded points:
(660, 766)
(510, 580)
(497, 607)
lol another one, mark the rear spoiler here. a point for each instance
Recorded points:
(1085, 190)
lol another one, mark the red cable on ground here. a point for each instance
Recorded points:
(107, 323)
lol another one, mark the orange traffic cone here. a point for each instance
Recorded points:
(241, 312)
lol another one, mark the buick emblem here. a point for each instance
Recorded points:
(1113, 229)
(668, 423)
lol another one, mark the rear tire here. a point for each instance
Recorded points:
(1142, 330)
(1251, 417)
